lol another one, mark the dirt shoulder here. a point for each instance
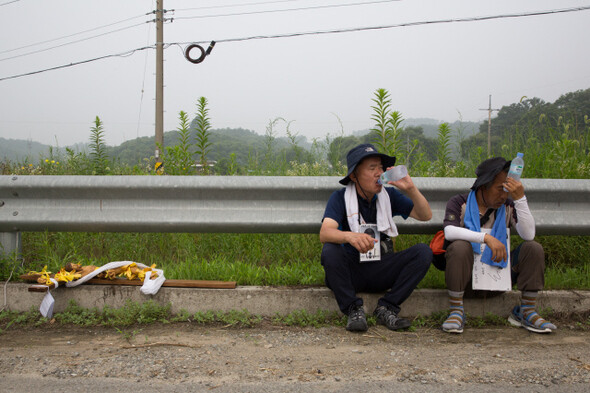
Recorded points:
(217, 356)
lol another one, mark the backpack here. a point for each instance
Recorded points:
(439, 244)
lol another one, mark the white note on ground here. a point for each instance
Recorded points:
(46, 307)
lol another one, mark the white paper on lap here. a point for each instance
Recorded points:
(491, 278)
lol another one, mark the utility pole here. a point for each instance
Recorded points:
(159, 77)
(489, 109)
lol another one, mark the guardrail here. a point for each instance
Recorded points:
(232, 204)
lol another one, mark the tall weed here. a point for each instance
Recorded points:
(98, 155)
(203, 128)
(179, 158)
(387, 128)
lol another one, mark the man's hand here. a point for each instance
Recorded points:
(498, 249)
(421, 210)
(404, 184)
(329, 233)
(361, 241)
(514, 187)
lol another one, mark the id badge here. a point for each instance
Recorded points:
(375, 253)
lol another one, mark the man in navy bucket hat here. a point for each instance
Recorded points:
(357, 233)
(356, 155)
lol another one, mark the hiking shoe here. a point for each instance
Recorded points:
(517, 319)
(389, 318)
(357, 322)
(455, 322)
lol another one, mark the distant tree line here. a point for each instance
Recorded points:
(560, 129)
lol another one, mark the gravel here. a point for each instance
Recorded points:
(178, 355)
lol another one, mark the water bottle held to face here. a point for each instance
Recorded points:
(394, 174)
(516, 167)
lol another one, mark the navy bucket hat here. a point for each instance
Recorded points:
(360, 152)
(487, 171)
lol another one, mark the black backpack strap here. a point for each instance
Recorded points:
(486, 217)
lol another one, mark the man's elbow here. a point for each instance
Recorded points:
(424, 215)
(323, 237)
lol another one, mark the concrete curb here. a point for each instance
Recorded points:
(268, 301)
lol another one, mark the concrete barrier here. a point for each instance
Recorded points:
(269, 301)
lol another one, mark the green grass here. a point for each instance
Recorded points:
(318, 319)
(434, 279)
(128, 319)
(135, 314)
(252, 259)
(568, 277)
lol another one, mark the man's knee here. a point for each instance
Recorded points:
(531, 254)
(531, 247)
(529, 267)
(460, 246)
(459, 250)
(331, 254)
(423, 255)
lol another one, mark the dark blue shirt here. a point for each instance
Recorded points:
(401, 205)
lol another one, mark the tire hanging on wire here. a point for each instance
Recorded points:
(204, 53)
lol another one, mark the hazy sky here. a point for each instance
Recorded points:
(435, 70)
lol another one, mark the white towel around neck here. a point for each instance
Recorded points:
(385, 222)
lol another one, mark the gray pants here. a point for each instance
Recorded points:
(527, 266)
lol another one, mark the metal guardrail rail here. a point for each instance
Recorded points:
(238, 204)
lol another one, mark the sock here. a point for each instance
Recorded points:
(528, 303)
(455, 319)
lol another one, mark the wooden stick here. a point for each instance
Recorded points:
(40, 287)
(167, 283)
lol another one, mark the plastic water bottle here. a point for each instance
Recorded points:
(394, 174)
(516, 167)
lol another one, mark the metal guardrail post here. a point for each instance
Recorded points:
(10, 244)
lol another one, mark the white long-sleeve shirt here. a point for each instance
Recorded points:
(523, 221)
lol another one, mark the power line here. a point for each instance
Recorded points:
(75, 34)
(286, 9)
(408, 24)
(71, 42)
(471, 19)
(8, 2)
(234, 5)
(122, 54)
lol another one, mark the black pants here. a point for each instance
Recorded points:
(397, 273)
